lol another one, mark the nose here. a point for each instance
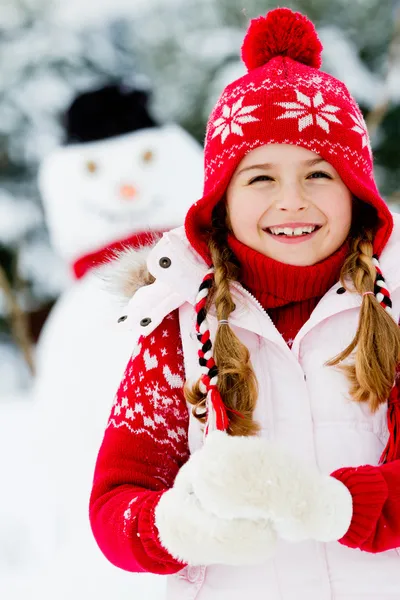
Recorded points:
(127, 191)
(291, 198)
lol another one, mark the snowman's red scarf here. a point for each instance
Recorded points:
(103, 255)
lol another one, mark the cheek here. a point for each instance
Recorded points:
(244, 212)
(338, 210)
(342, 216)
(244, 223)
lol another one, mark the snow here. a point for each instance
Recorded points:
(393, 82)
(47, 454)
(75, 12)
(14, 373)
(228, 73)
(80, 341)
(39, 264)
(213, 47)
(32, 563)
(18, 216)
(340, 58)
(27, 533)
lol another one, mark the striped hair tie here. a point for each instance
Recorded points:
(217, 418)
(381, 291)
(392, 449)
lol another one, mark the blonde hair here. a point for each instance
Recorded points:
(237, 382)
(376, 344)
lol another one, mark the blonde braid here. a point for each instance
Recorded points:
(237, 383)
(377, 339)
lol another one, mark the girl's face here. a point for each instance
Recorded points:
(289, 204)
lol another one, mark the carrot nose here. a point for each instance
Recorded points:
(127, 191)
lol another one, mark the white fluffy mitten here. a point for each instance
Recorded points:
(251, 478)
(194, 536)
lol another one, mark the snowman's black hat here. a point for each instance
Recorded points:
(106, 112)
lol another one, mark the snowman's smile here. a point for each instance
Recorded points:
(120, 215)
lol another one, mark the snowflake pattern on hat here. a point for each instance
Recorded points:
(361, 128)
(232, 119)
(309, 108)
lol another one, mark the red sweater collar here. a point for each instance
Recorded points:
(276, 284)
(94, 259)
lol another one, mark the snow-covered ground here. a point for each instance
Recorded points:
(27, 531)
(33, 563)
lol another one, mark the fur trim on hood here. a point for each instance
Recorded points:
(126, 272)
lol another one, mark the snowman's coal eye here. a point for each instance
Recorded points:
(91, 166)
(148, 156)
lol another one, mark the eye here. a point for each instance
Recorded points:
(148, 156)
(260, 178)
(319, 175)
(91, 166)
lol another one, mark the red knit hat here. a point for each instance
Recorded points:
(285, 99)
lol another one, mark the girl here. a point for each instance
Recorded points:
(253, 448)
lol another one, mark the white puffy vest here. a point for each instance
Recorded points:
(303, 405)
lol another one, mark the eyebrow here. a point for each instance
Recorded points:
(266, 166)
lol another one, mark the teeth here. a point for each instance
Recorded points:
(292, 231)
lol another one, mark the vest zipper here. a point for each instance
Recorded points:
(259, 306)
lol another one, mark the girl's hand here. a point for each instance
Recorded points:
(195, 536)
(251, 478)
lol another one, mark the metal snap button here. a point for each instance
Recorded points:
(146, 321)
(340, 290)
(164, 262)
(123, 318)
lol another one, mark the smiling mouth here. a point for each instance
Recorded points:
(292, 232)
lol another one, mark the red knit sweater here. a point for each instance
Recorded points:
(146, 441)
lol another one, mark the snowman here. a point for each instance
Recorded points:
(119, 182)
